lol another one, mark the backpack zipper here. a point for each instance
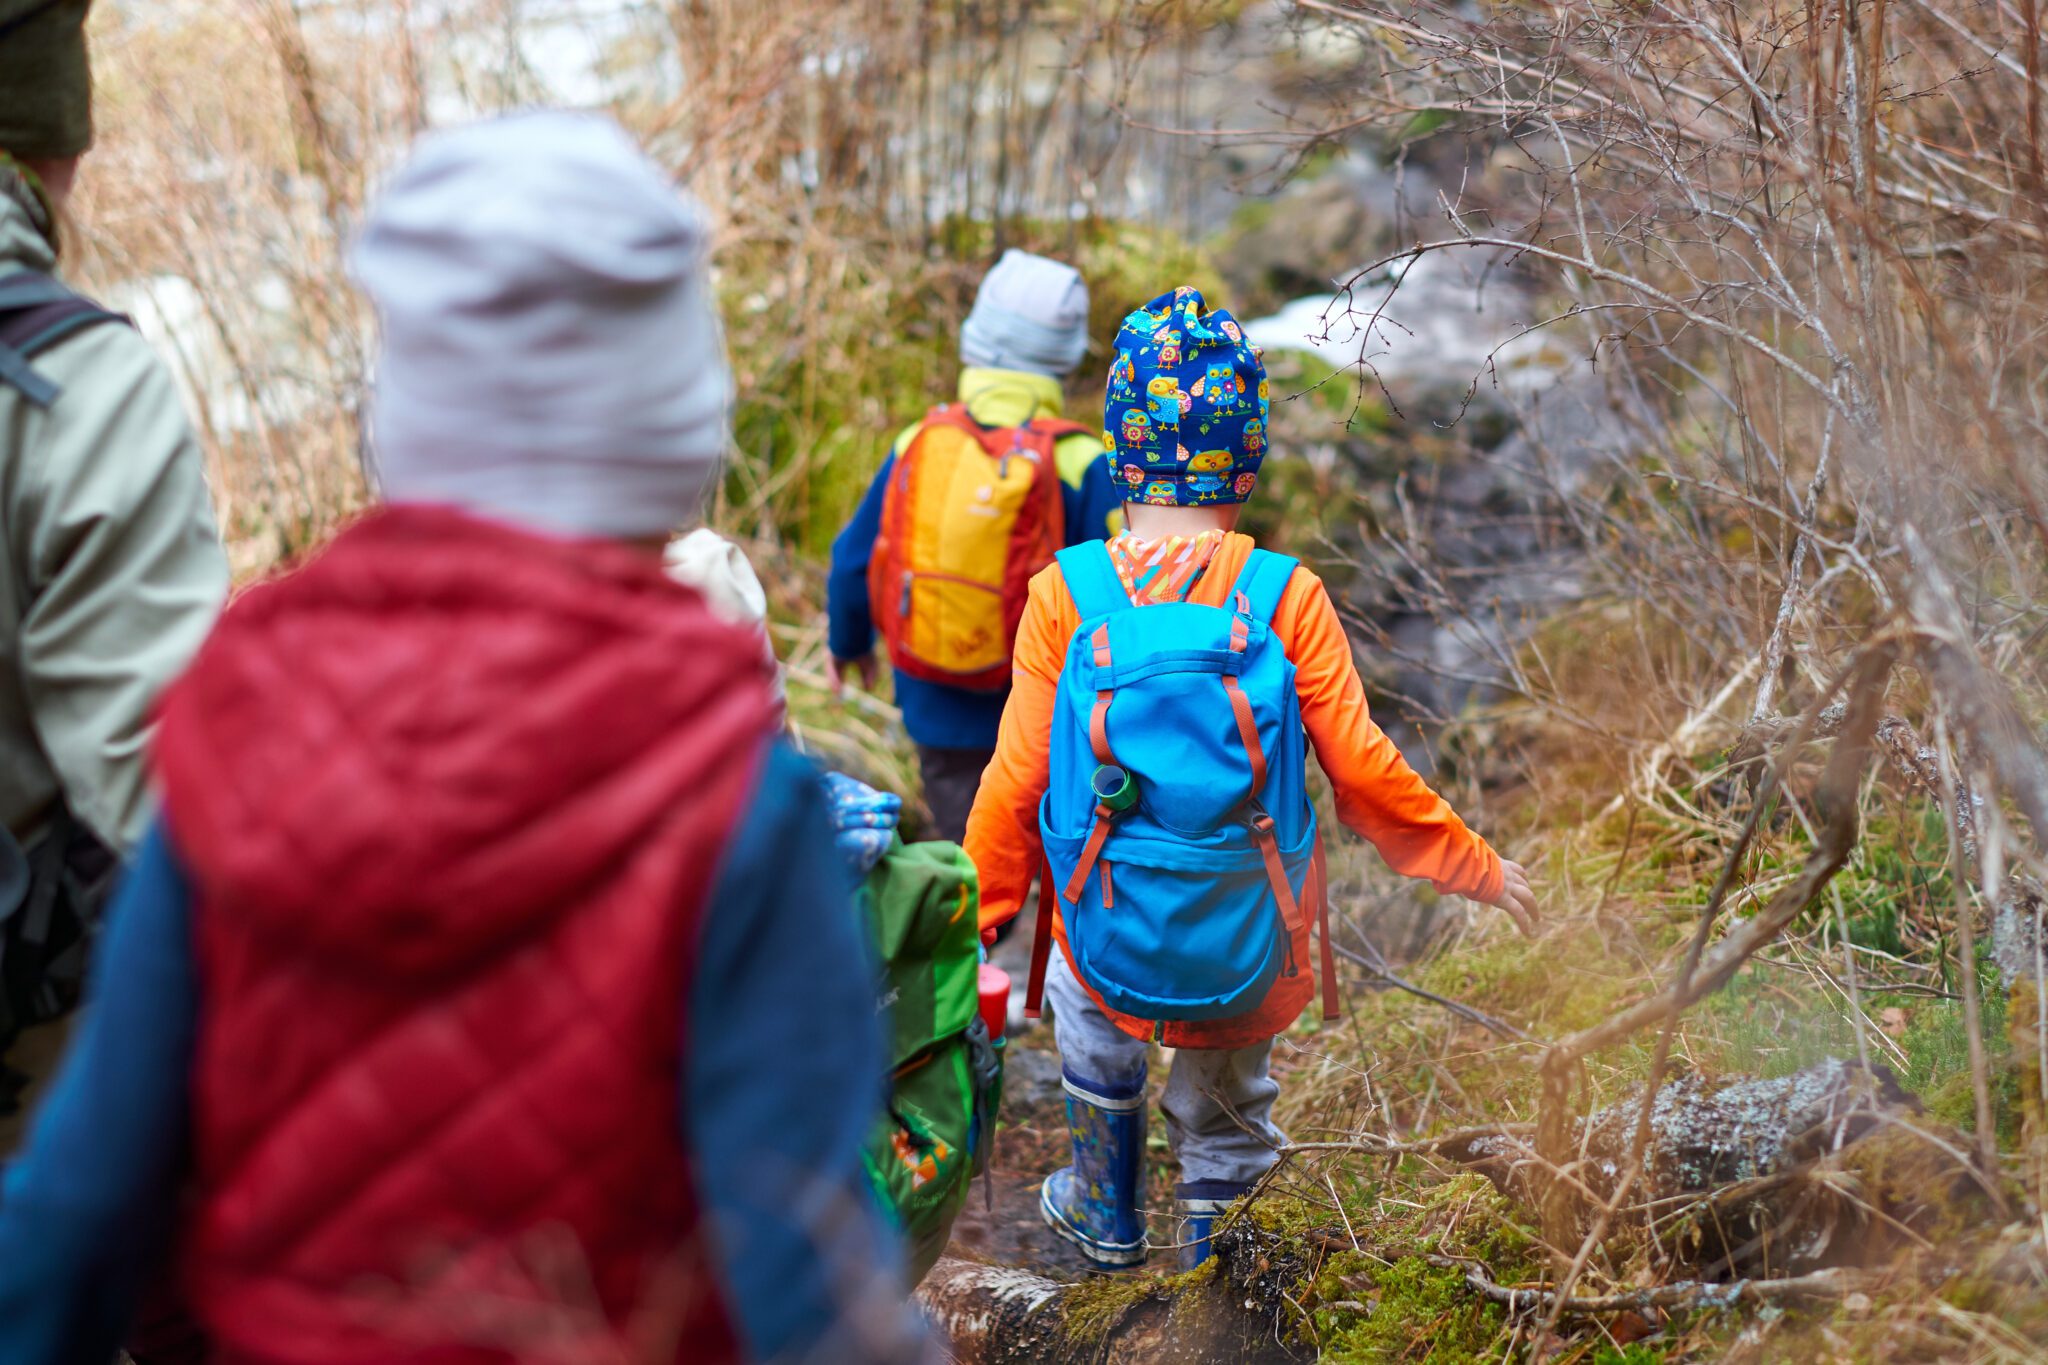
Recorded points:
(964, 582)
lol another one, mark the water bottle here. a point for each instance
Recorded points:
(995, 998)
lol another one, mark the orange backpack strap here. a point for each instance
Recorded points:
(1041, 945)
(1045, 434)
(955, 415)
(1318, 889)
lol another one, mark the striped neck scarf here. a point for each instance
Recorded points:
(1164, 570)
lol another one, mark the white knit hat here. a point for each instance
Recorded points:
(1031, 314)
(551, 355)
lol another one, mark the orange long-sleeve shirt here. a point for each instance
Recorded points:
(1378, 795)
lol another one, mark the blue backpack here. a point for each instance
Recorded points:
(1177, 826)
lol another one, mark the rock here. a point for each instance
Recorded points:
(1703, 1136)
(1304, 237)
(1830, 1166)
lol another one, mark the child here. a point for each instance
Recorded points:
(1189, 468)
(489, 989)
(1027, 331)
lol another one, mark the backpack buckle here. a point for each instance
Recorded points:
(1261, 823)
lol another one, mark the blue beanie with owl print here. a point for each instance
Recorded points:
(1185, 416)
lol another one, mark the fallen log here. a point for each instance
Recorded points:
(1235, 1312)
(1682, 1296)
(1831, 1166)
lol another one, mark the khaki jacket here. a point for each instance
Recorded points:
(111, 571)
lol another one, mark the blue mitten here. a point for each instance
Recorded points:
(863, 820)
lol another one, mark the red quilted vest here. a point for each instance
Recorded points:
(451, 797)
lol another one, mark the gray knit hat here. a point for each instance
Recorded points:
(45, 84)
(551, 353)
(1031, 314)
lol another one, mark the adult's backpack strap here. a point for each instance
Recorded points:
(28, 288)
(36, 312)
(14, 874)
(1263, 582)
(1091, 578)
(1041, 945)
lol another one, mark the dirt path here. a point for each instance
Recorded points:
(1032, 1142)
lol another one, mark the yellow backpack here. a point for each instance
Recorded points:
(970, 514)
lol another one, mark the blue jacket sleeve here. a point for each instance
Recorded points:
(849, 624)
(783, 1076)
(86, 1212)
(1091, 503)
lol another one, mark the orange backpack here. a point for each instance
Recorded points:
(970, 514)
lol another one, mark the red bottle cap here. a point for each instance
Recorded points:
(995, 998)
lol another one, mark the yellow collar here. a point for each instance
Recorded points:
(1008, 398)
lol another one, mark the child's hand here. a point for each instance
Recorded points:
(861, 670)
(1516, 898)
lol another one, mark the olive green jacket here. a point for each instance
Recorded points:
(111, 570)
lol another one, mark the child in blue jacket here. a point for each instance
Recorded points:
(1027, 331)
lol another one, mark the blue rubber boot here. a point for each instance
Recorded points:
(1094, 1202)
(1198, 1204)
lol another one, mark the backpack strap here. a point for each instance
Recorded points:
(1262, 583)
(36, 312)
(14, 874)
(1091, 578)
(1055, 429)
(1319, 893)
(1257, 594)
(1041, 944)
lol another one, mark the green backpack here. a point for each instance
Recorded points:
(921, 902)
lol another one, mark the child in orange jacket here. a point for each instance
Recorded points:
(1181, 545)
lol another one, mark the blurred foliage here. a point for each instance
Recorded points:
(827, 380)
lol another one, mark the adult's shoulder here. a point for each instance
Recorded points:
(104, 362)
(117, 406)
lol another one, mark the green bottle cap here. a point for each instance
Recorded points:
(1114, 787)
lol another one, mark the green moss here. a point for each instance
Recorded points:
(1415, 1312)
(1385, 1301)
(1287, 1217)
(1635, 1353)
(1096, 1305)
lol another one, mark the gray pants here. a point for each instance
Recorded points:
(1218, 1105)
